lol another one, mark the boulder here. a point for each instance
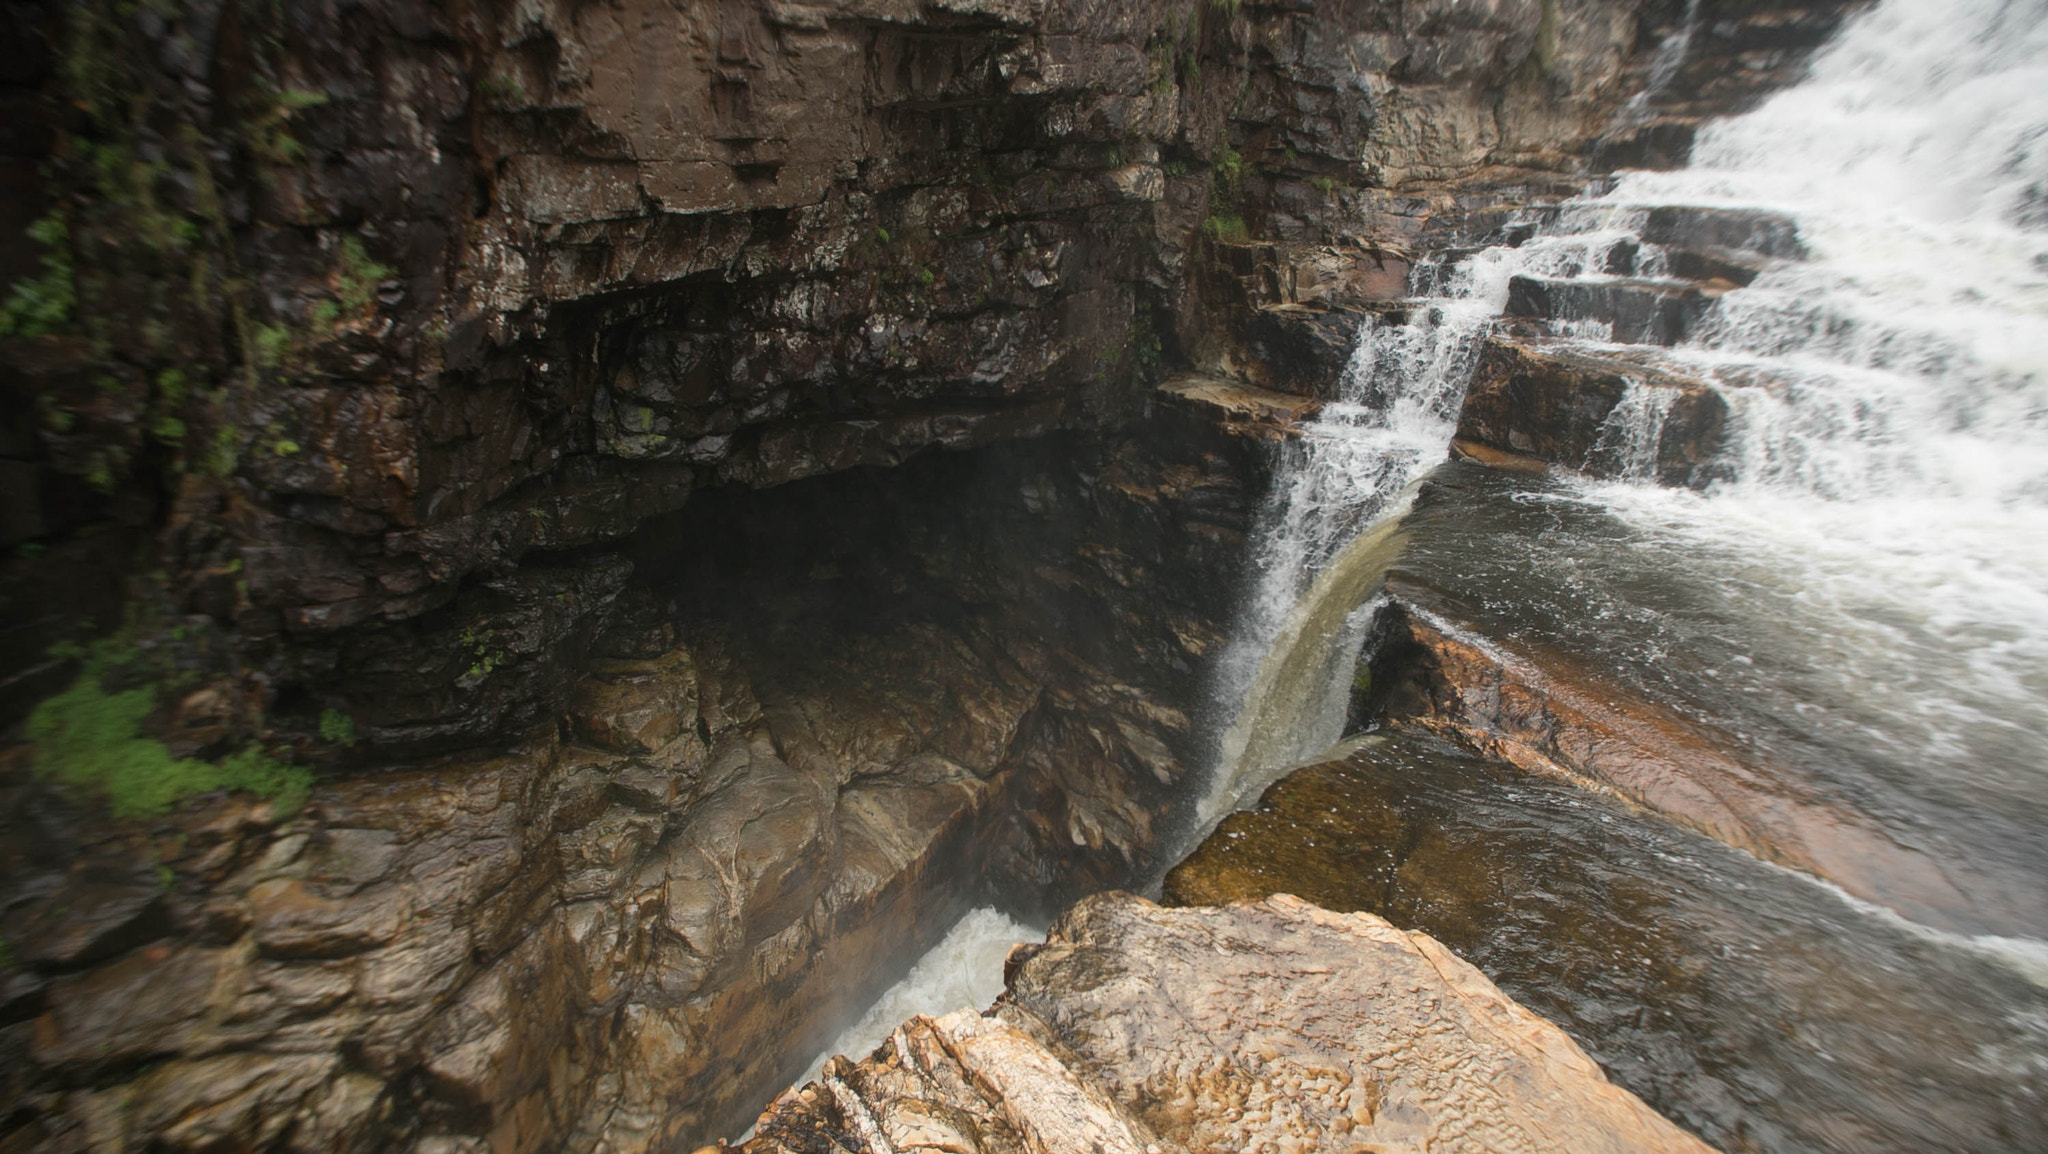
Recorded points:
(1267, 1025)
(1608, 416)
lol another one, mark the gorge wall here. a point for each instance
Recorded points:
(518, 422)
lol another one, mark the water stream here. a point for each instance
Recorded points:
(1886, 465)
(1863, 590)
(1858, 599)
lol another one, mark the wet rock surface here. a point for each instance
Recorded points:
(1136, 1028)
(1577, 378)
(1566, 408)
(1674, 960)
(1548, 658)
(625, 933)
(498, 284)
(453, 378)
(566, 944)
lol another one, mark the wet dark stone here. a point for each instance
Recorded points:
(1638, 312)
(1742, 230)
(1713, 264)
(1621, 258)
(1673, 959)
(1659, 146)
(1556, 405)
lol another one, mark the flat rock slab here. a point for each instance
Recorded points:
(1271, 1026)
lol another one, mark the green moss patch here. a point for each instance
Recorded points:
(91, 739)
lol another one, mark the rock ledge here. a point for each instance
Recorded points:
(1270, 1026)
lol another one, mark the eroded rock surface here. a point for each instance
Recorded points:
(403, 335)
(1548, 714)
(782, 774)
(1672, 959)
(570, 943)
(1264, 1025)
(480, 288)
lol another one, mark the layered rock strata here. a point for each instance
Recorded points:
(1547, 713)
(473, 289)
(401, 350)
(624, 932)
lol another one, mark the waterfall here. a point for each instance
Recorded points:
(1905, 357)
(1663, 66)
(1633, 431)
(1887, 444)
(1887, 450)
(1326, 530)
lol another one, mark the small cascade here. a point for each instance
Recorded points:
(1633, 433)
(1794, 400)
(1665, 65)
(965, 970)
(1326, 530)
(1857, 275)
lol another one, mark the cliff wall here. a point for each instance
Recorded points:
(506, 431)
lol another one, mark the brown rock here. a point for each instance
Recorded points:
(637, 706)
(1557, 406)
(1545, 714)
(150, 1003)
(292, 921)
(1272, 1024)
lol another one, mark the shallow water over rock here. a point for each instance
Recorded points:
(1751, 1004)
(1779, 658)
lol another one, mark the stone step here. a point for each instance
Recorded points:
(1639, 310)
(1236, 407)
(1564, 406)
(1710, 264)
(1751, 231)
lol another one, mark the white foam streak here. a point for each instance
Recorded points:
(2024, 957)
(1883, 481)
(965, 970)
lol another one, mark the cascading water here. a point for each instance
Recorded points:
(1868, 572)
(1855, 601)
(1887, 453)
(1886, 459)
(1326, 530)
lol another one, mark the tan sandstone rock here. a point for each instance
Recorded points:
(1272, 1025)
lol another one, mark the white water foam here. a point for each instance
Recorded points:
(1355, 467)
(965, 970)
(1888, 446)
(1885, 471)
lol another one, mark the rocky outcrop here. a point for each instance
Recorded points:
(1546, 713)
(627, 931)
(1606, 416)
(1135, 1028)
(453, 400)
(477, 289)
(1621, 407)
(1674, 961)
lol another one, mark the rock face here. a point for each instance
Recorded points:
(1548, 714)
(487, 405)
(1556, 406)
(1622, 408)
(480, 289)
(1271, 1024)
(627, 931)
